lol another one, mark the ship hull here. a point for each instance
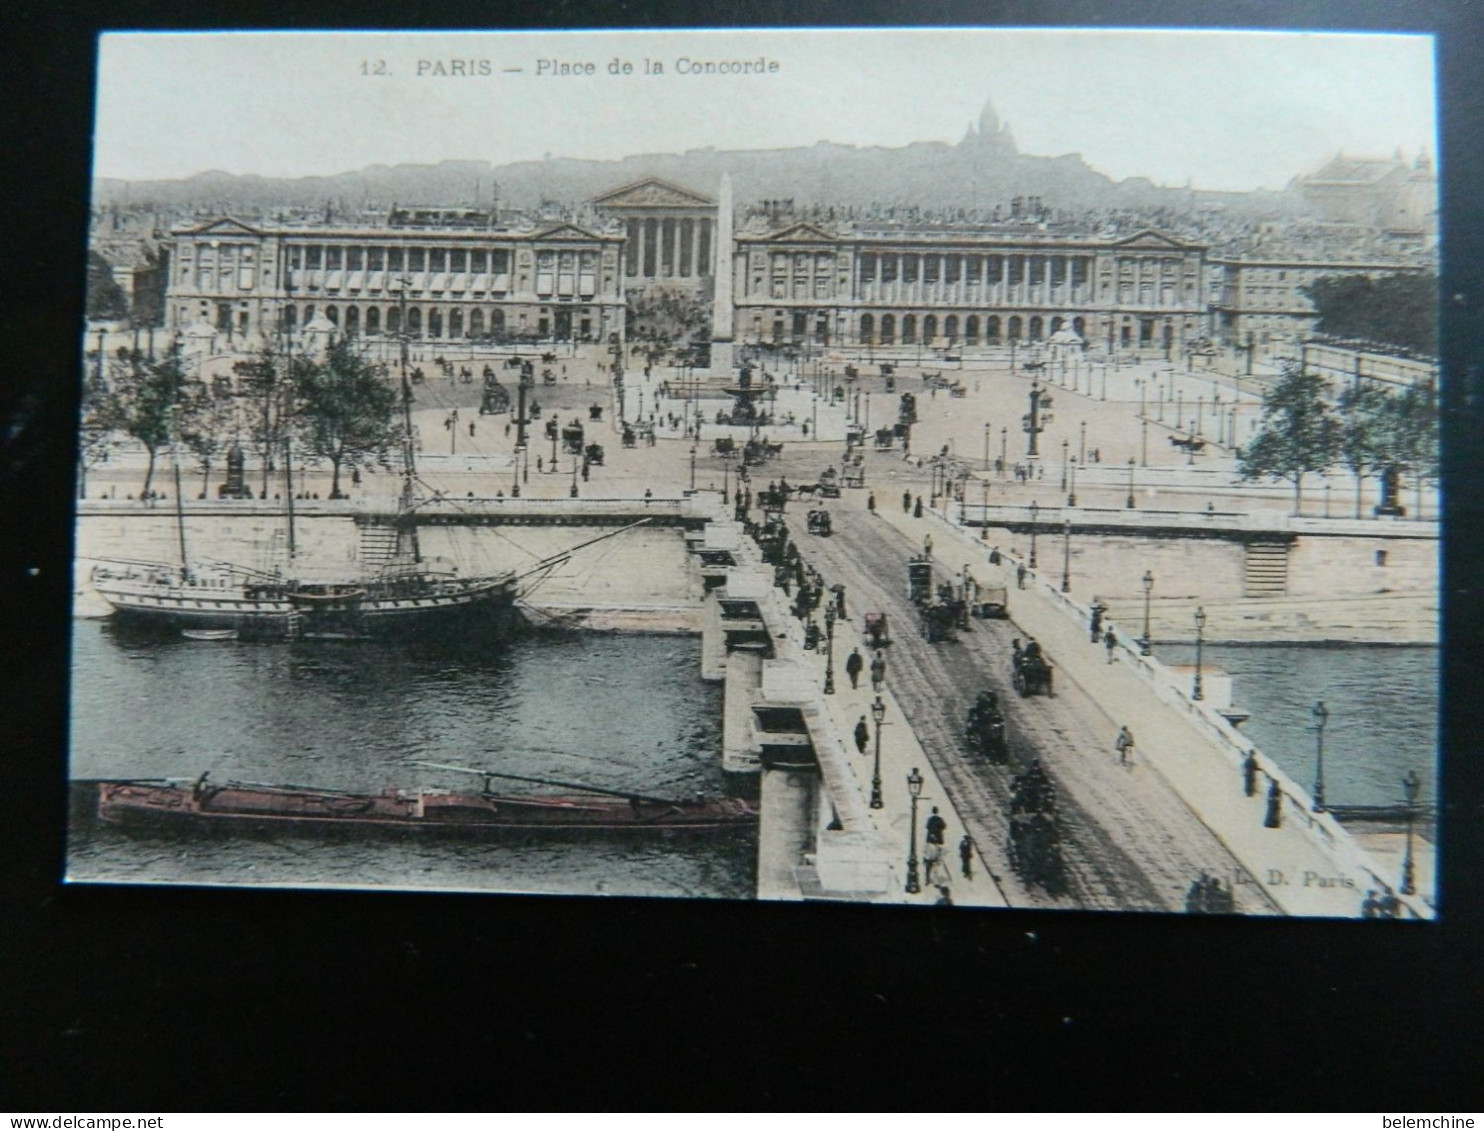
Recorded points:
(248, 806)
(284, 613)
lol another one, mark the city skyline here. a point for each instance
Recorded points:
(1215, 110)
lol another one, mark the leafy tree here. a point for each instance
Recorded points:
(1401, 310)
(1365, 432)
(142, 401)
(346, 410)
(1299, 432)
(268, 396)
(1412, 434)
(105, 298)
(96, 424)
(206, 422)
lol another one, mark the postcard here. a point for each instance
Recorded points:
(963, 466)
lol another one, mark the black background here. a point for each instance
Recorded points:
(138, 1000)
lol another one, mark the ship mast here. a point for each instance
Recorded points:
(286, 410)
(185, 566)
(409, 465)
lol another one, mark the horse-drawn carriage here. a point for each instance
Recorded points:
(877, 634)
(495, 398)
(630, 438)
(593, 453)
(1035, 835)
(855, 471)
(572, 437)
(1031, 671)
(819, 522)
(1190, 444)
(723, 446)
(829, 484)
(984, 729)
(885, 437)
(919, 580)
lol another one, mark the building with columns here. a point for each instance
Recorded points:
(938, 287)
(1259, 301)
(671, 235)
(439, 274)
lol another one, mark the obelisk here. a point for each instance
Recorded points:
(722, 361)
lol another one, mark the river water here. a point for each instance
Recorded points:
(623, 712)
(1382, 703)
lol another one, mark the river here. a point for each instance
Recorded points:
(626, 712)
(1382, 703)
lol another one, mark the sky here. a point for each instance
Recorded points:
(1220, 110)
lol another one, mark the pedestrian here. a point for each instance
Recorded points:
(966, 856)
(994, 556)
(1110, 642)
(471, 429)
(1020, 576)
(871, 502)
(862, 735)
(1097, 620)
(917, 508)
(927, 546)
(1124, 744)
(853, 667)
(945, 897)
(936, 827)
(878, 671)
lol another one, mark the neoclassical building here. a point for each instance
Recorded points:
(940, 287)
(435, 273)
(670, 235)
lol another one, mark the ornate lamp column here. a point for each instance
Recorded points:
(1412, 783)
(1321, 717)
(1129, 502)
(878, 715)
(914, 789)
(1066, 555)
(829, 652)
(1146, 644)
(1035, 513)
(1200, 626)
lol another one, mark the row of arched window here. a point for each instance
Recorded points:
(888, 329)
(371, 320)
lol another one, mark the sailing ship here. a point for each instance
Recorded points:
(243, 804)
(404, 592)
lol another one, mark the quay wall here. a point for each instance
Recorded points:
(1346, 581)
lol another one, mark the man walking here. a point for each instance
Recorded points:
(878, 671)
(863, 737)
(966, 856)
(853, 666)
(936, 826)
(1124, 744)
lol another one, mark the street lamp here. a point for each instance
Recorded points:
(1064, 465)
(984, 510)
(1129, 502)
(829, 648)
(1321, 717)
(878, 714)
(1144, 443)
(987, 431)
(1139, 381)
(1412, 783)
(1066, 555)
(914, 790)
(1035, 511)
(1004, 444)
(1082, 444)
(1146, 645)
(692, 467)
(726, 471)
(1200, 626)
(1072, 486)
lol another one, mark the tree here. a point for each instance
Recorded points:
(96, 423)
(1400, 310)
(1364, 432)
(142, 401)
(269, 399)
(346, 410)
(206, 420)
(106, 300)
(1412, 434)
(1299, 433)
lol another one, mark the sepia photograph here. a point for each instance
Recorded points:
(956, 466)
